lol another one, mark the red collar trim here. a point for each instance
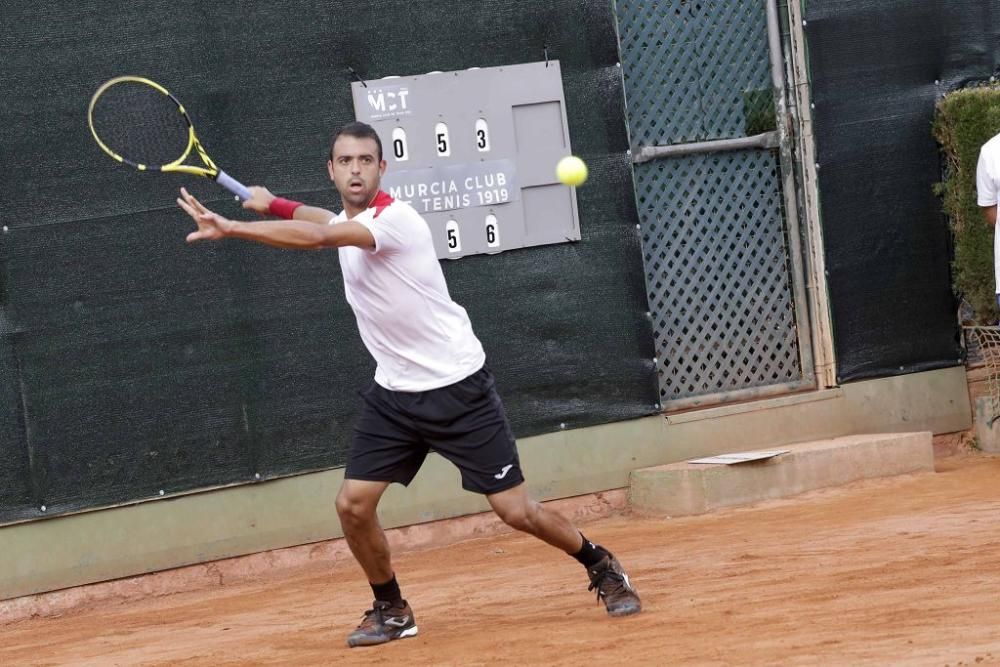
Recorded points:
(380, 202)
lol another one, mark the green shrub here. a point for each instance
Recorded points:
(758, 109)
(963, 122)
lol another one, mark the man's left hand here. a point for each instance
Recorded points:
(211, 225)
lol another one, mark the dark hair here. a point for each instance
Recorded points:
(358, 131)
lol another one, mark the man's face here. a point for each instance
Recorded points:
(356, 170)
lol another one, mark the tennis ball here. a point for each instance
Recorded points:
(571, 170)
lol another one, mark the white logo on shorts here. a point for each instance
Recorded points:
(503, 471)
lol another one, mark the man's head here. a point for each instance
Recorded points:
(356, 165)
(358, 131)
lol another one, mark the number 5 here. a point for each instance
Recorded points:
(441, 132)
(454, 241)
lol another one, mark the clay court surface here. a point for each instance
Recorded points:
(896, 571)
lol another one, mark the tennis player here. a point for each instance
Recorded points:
(432, 388)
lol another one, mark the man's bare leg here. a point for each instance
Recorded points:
(356, 506)
(390, 616)
(519, 511)
(607, 576)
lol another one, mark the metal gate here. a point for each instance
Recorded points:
(716, 198)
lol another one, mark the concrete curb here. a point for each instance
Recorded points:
(683, 489)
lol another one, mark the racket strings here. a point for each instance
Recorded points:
(141, 124)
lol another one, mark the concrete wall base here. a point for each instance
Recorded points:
(212, 525)
(321, 555)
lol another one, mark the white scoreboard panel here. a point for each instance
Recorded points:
(475, 152)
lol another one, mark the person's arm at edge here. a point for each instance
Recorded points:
(986, 185)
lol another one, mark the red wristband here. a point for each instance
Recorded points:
(283, 208)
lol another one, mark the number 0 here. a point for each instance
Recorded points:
(399, 144)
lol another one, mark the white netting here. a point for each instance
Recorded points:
(983, 345)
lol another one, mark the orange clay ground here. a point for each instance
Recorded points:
(896, 571)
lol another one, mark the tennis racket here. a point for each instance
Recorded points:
(139, 123)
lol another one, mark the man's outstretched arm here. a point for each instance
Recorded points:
(261, 198)
(294, 234)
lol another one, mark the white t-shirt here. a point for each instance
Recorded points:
(988, 189)
(419, 337)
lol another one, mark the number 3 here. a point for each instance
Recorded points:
(482, 135)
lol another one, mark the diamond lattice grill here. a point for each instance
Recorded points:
(695, 70)
(713, 227)
(717, 275)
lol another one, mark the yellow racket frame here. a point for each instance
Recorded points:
(177, 166)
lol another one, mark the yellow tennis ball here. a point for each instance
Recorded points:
(571, 170)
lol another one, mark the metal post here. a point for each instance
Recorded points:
(819, 302)
(764, 140)
(791, 202)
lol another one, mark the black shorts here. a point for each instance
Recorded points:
(464, 422)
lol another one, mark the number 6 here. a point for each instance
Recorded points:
(492, 233)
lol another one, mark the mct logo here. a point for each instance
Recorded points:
(390, 101)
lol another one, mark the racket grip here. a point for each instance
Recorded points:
(234, 186)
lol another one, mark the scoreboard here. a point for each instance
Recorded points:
(474, 151)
